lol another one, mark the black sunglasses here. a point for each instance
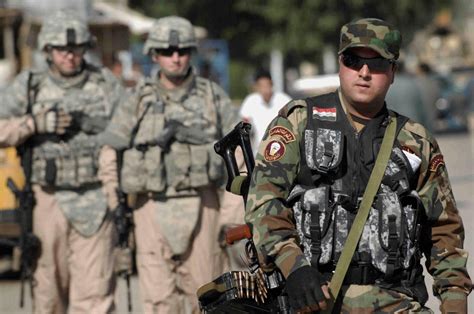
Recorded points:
(170, 51)
(377, 64)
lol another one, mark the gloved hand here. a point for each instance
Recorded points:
(305, 292)
(88, 124)
(52, 121)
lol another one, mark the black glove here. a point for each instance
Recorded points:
(168, 134)
(89, 125)
(304, 290)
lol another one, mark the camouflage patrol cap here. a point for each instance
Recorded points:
(170, 31)
(371, 33)
(64, 28)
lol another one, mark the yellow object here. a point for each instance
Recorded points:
(10, 167)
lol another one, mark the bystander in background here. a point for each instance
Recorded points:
(260, 107)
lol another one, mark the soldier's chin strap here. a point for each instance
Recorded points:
(362, 214)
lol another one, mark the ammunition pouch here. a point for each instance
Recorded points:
(59, 166)
(390, 240)
(143, 170)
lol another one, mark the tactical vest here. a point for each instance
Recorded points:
(70, 161)
(335, 166)
(187, 163)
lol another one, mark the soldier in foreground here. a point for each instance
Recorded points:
(309, 180)
(167, 130)
(58, 112)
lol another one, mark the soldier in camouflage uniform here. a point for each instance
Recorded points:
(311, 172)
(167, 130)
(60, 111)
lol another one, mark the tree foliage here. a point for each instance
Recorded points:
(301, 28)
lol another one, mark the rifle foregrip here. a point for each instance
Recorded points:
(238, 233)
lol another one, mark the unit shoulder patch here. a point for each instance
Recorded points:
(436, 162)
(274, 151)
(286, 135)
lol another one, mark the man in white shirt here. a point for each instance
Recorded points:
(259, 108)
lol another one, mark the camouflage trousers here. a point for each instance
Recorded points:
(372, 299)
(74, 273)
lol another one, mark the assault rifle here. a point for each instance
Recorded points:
(29, 244)
(123, 218)
(255, 291)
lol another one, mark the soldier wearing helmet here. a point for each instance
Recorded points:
(65, 41)
(58, 113)
(167, 130)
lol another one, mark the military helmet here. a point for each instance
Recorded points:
(170, 31)
(64, 28)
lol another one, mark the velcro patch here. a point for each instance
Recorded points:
(274, 151)
(436, 162)
(325, 114)
(286, 135)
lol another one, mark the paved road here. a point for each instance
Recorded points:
(459, 155)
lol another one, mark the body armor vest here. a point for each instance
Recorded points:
(187, 162)
(71, 160)
(336, 163)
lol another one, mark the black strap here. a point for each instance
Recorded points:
(137, 125)
(392, 247)
(315, 232)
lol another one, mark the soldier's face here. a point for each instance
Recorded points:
(67, 60)
(173, 62)
(365, 85)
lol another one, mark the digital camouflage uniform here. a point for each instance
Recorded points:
(176, 214)
(73, 179)
(274, 221)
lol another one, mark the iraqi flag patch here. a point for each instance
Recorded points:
(325, 114)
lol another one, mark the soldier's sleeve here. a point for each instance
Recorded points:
(227, 113)
(124, 118)
(115, 90)
(276, 168)
(448, 259)
(15, 125)
(107, 174)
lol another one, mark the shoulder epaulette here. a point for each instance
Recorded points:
(37, 76)
(203, 85)
(418, 129)
(145, 86)
(287, 109)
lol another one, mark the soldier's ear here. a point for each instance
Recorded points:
(154, 57)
